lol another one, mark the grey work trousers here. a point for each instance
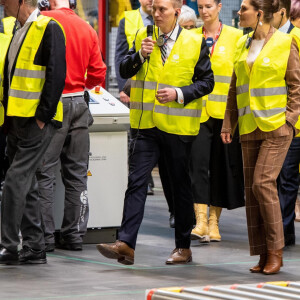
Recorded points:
(70, 144)
(20, 207)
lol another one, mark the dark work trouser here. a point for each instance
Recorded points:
(2, 154)
(20, 206)
(288, 184)
(144, 154)
(166, 183)
(70, 144)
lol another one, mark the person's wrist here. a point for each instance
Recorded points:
(142, 58)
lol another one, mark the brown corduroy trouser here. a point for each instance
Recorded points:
(263, 160)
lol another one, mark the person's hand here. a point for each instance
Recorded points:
(226, 137)
(41, 124)
(166, 95)
(124, 98)
(147, 47)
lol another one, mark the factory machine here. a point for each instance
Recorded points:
(108, 168)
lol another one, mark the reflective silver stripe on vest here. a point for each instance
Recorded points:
(30, 73)
(217, 98)
(203, 103)
(222, 79)
(138, 105)
(24, 95)
(242, 89)
(148, 85)
(261, 113)
(269, 91)
(181, 112)
(244, 111)
(163, 86)
(269, 112)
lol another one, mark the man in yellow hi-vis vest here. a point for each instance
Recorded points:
(134, 20)
(33, 71)
(172, 72)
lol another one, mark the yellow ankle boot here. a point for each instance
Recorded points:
(213, 223)
(200, 232)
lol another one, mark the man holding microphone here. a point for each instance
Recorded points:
(164, 117)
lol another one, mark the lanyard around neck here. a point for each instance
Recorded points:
(215, 39)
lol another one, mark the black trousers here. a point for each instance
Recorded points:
(166, 182)
(146, 147)
(217, 169)
(2, 155)
(20, 207)
(288, 184)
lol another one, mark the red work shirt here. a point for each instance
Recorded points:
(82, 52)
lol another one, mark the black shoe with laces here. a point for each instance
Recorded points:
(30, 256)
(7, 257)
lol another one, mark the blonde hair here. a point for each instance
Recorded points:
(32, 3)
(177, 3)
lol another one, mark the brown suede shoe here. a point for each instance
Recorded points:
(180, 256)
(261, 264)
(274, 262)
(118, 250)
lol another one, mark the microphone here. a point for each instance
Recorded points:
(209, 42)
(149, 34)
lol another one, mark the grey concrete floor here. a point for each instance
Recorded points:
(89, 276)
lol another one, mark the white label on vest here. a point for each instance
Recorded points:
(175, 58)
(266, 61)
(222, 49)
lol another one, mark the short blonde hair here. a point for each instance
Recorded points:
(177, 3)
(32, 3)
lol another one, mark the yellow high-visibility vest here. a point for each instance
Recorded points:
(177, 71)
(116, 11)
(5, 39)
(28, 79)
(133, 22)
(214, 104)
(262, 92)
(8, 25)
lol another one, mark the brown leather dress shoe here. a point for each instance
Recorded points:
(261, 264)
(180, 256)
(274, 262)
(118, 250)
